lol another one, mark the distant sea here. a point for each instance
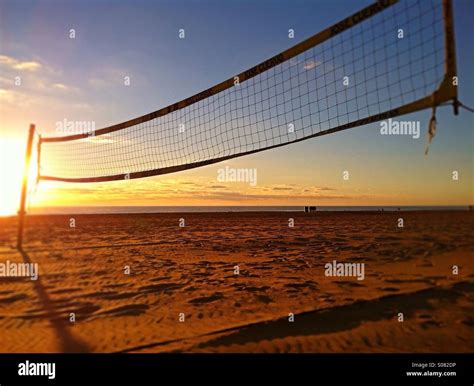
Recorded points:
(213, 209)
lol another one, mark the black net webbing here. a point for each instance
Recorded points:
(357, 71)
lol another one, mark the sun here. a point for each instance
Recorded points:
(12, 153)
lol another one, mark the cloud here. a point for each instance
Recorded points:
(6, 81)
(60, 86)
(106, 139)
(238, 196)
(6, 95)
(182, 191)
(282, 188)
(296, 189)
(13, 98)
(307, 64)
(31, 84)
(99, 139)
(106, 77)
(17, 64)
(310, 64)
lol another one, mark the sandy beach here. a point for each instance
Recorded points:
(228, 282)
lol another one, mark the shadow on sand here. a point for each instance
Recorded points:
(344, 317)
(66, 342)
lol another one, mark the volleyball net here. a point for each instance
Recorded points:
(389, 59)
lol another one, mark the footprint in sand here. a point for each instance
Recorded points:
(13, 298)
(264, 299)
(257, 289)
(430, 323)
(161, 278)
(349, 283)
(207, 299)
(469, 321)
(128, 310)
(389, 289)
(161, 287)
(298, 286)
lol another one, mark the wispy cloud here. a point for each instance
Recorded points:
(61, 86)
(204, 192)
(6, 95)
(12, 99)
(109, 138)
(16, 64)
(310, 64)
(307, 64)
(34, 85)
(32, 78)
(106, 77)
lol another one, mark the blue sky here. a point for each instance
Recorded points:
(82, 77)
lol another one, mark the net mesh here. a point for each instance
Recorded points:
(366, 70)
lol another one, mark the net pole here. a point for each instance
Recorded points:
(450, 52)
(24, 187)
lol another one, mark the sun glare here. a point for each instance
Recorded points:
(11, 171)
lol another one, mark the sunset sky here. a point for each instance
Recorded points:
(82, 79)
